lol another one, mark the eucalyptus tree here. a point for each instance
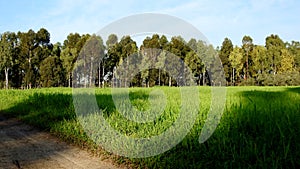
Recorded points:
(224, 53)
(274, 47)
(34, 47)
(260, 60)
(118, 53)
(8, 42)
(287, 62)
(113, 50)
(92, 54)
(193, 59)
(151, 57)
(52, 74)
(247, 47)
(70, 52)
(294, 48)
(236, 59)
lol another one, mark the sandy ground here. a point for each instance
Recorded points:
(22, 146)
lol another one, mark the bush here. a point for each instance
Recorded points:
(248, 82)
(280, 79)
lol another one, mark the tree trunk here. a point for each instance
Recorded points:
(113, 80)
(29, 62)
(233, 80)
(6, 77)
(247, 65)
(91, 75)
(99, 74)
(203, 78)
(170, 81)
(85, 74)
(103, 64)
(158, 77)
(69, 80)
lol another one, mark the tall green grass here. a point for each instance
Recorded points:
(260, 127)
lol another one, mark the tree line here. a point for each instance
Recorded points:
(30, 60)
(276, 63)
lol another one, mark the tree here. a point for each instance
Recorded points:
(163, 42)
(34, 47)
(224, 53)
(112, 40)
(70, 52)
(206, 53)
(287, 62)
(274, 47)
(294, 49)
(160, 64)
(51, 72)
(193, 59)
(259, 59)
(120, 53)
(7, 49)
(129, 48)
(109, 61)
(92, 55)
(214, 67)
(236, 59)
(247, 47)
(192, 44)
(151, 49)
(178, 50)
(113, 56)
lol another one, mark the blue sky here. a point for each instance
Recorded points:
(216, 19)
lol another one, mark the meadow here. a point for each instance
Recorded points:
(260, 126)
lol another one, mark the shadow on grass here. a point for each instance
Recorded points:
(294, 89)
(260, 130)
(43, 110)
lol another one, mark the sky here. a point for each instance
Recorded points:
(216, 19)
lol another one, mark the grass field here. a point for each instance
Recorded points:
(260, 127)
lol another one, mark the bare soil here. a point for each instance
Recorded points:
(22, 146)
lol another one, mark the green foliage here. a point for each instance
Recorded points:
(151, 49)
(294, 48)
(112, 39)
(89, 60)
(274, 46)
(235, 58)
(7, 54)
(33, 49)
(224, 54)
(259, 58)
(287, 62)
(22, 57)
(71, 49)
(247, 48)
(51, 70)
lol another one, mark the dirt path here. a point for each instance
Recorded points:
(22, 146)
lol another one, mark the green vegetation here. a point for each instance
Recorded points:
(31, 60)
(260, 127)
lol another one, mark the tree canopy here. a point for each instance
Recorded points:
(29, 59)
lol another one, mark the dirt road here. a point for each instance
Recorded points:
(22, 146)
